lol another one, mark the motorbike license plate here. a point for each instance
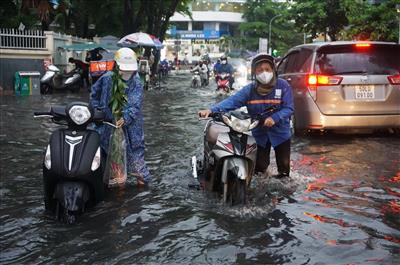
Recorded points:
(364, 92)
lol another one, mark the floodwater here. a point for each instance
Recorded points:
(340, 206)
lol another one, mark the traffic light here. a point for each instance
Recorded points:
(275, 53)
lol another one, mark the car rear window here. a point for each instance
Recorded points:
(349, 59)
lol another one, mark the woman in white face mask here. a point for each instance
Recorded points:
(266, 91)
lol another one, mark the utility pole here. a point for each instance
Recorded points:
(269, 37)
(398, 11)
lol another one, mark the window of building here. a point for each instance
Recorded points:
(197, 25)
(180, 25)
(231, 7)
(200, 5)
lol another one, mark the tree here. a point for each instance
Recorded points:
(315, 17)
(371, 22)
(258, 15)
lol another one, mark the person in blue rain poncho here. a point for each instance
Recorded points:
(132, 118)
(266, 91)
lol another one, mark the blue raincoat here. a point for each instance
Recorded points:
(281, 96)
(133, 127)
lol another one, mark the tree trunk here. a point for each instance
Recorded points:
(140, 15)
(127, 13)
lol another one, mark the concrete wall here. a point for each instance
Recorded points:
(8, 67)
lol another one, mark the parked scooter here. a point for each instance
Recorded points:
(196, 80)
(73, 165)
(229, 154)
(223, 84)
(53, 79)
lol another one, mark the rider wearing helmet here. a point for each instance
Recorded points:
(265, 91)
(132, 116)
(225, 67)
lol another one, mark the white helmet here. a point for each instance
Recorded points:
(126, 59)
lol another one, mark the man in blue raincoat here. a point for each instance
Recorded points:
(132, 119)
(267, 91)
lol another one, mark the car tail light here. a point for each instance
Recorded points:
(323, 80)
(316, 80)
(394, 79)
(362, 45)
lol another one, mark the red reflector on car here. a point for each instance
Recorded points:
(363, 45)
(394, 79)
(323, 80)
(315, 126)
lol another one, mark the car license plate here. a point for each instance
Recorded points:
(365, 92)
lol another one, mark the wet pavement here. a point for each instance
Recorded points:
(341, 205)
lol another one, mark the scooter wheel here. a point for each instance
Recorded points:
(45, 89)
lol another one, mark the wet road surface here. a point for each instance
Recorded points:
(341, 205)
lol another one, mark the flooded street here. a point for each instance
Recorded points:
(341, 205)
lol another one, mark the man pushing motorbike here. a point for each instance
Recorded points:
(267, 90)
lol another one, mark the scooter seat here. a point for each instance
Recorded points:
(214, 130)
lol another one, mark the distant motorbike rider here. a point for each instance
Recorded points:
(225, 67)
(132, 118)
(216, 67)
(203, 69)
(265, 91)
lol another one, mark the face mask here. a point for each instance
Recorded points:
(223, 61)
(126, 75)
(265, 77)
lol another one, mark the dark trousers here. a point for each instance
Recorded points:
(282, 155)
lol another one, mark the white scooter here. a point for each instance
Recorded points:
(53, 79)
(229, 154)
(196, 80)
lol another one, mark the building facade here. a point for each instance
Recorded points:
(213, 21)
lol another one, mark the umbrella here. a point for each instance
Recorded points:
(140, 39)
(157, 42)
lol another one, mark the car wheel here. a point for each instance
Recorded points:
(295, 130)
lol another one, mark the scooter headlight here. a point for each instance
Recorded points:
(47, 158)
(242, 70)
(79, 114)
(240, 125)
(96, 160)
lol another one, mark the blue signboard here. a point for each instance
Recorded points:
(199, 34)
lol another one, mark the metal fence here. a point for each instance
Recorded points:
(22, 39)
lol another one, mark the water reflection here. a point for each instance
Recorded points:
(340, 206)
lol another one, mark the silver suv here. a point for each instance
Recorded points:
(344, 85)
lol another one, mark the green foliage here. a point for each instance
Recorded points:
(372, 22)
(110, 17)
(317, 17)
(258, 15)
(347, 19)
(118, 97)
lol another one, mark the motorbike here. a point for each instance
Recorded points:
(229, 157)
(223, 84)
(74, 163)
(53, 79)
(164, 70)
(144, 73)
(196, 80)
